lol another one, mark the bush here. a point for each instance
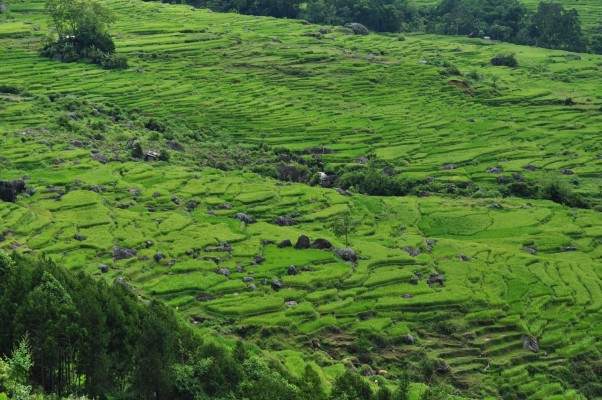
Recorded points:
(505, 60)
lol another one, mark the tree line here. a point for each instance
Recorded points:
(550, 26)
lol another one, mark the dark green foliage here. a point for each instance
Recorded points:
(94, 338)
(556, 28)
(82, 33)
(403, 387)
(350, 386)
(505, 60)
(552, 188)
(372, 182)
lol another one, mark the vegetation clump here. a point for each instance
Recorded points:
(81, 33)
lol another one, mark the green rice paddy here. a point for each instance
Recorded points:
(263, 80)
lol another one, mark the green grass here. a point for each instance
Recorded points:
(233, 83)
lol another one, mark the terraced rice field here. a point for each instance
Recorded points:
(513, 268)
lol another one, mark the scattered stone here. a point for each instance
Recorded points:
(324, 31)
(240, 269)
(79, 237)
(315, 343)
(572, 56)
(411, 251)
(409, 339)
(100, 158)
(435, 278)
(244, 218)
(284, 221)
(277, 285)
(122, 253)
(494, 169)
(264, 281)
(248, 279)
(567, 172)
(285, 243)
(570, 248)
(361, 160)
(223, 271)
(530, 167)
(292, 270)
(448, 167)
(251, 287)
(575, 182)
(302, 243)
(104, 268)
(470, 120)
(204, 298)
(343, 192)
(317, 150)
(408, 296)
(347, 254)
(413, 281)
(503, 180)
(442, 367)
(135, 192)
(402, 228)
(176, 200)
(531, 344)
(159, 256)
(463, 257)
(174, 145)
(149, 243)
(357, 28)
(290, 303)
(321, 244)
(120, 281)
(259, 259)
(530, 250)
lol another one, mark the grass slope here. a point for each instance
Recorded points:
(261, 80)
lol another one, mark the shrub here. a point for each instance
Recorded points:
(505, 60)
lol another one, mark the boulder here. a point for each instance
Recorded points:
(347, 254)
(251, 287)
(284, 221)
(100, 158)
(463, 257)
(149, 243)
(244, 218)
(448, 167)
(290, 303)
(530, 167)
(122, 253)
(530, 250)
(302, 243)
(357, 28)
(79, 237)
(292, 270)
(321, 244)
(174, 145)
(277, 285)
(104, 268)
(411, 251)
(223, 271)
(435, 278)
(531, 344)
(442, 367)
(409, 339)
(413, 281)
(10, 189)
(159, 256)
(248, 279)
(342, 192)
(494, 169)
(240, 269)
(518, 177)
(259, 259)
(120, 281)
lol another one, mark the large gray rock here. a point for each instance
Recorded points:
(284, 221)
(347, 254)
(302, 242)
(223, 271)
(122, 253)
(321, 244)
(244, 218)
(357, 28)
(531, 344)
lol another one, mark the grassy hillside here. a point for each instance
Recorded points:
(513, 268)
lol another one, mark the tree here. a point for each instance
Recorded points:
(403, 387)
(350, 386)
(82, 27)
(342, 226)
(556, 28)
